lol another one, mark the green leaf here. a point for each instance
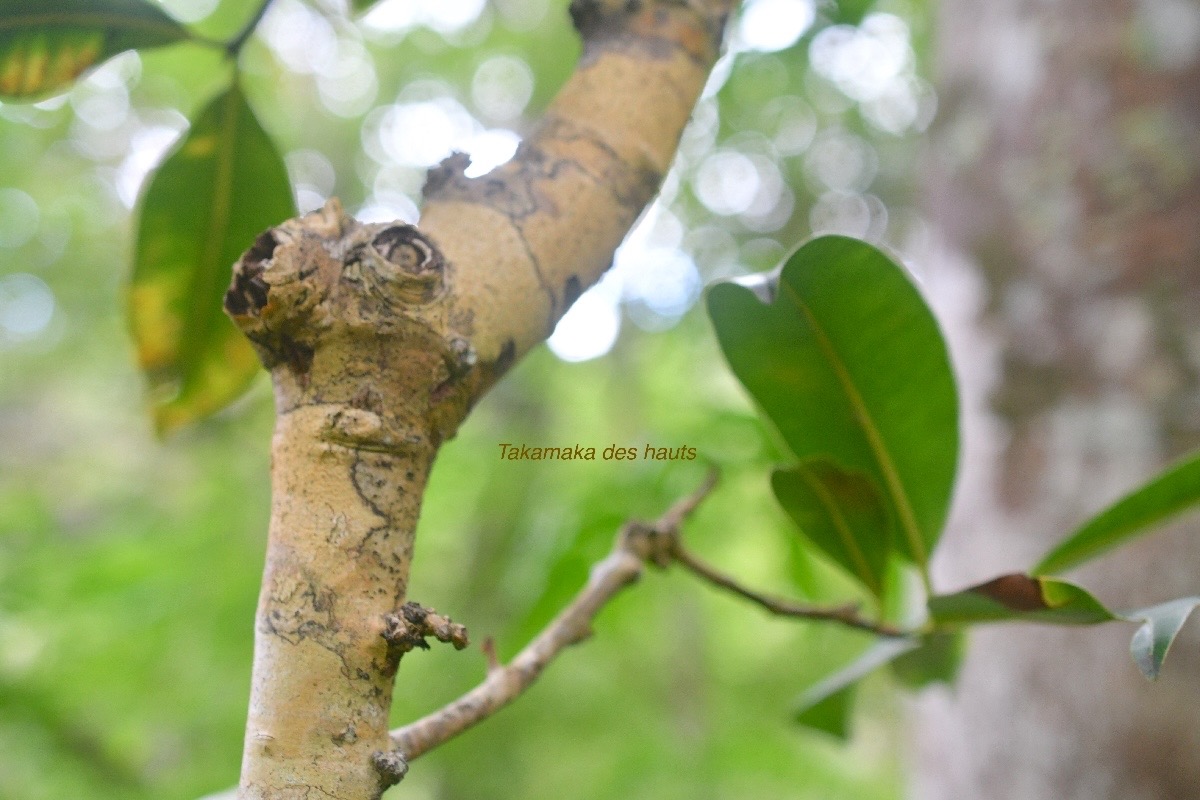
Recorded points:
(937, 660)
(849, 364)
(1047, 600)
(829, 714)
(1172, 492)
(850, 12)
(840, 512)
(215, 193)
(1019, 597)
(359, 6)
(825, 706)
(45, 45)
(1160, 625)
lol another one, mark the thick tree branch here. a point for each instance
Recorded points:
(379, 339)
(528, 238)
(637, 545)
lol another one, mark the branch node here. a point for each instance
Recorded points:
(451, 169)
(646, 542)
(408, 261)
(408, 628)
(348, 735)
(248, 293)
(585, 15)
(391, 765)
(637, 543)
(489, 652)
(658, 543)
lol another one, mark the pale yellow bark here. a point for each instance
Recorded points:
(337, 560)
(345, 315)
(379, 338)
(529, 237)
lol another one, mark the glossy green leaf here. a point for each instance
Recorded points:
(46, 44)
(825, 706)
(840, 512)
(1174, 491)
(215, 193)
(1019, 597)
(936, 660)
(1160, 625)
(849, 364)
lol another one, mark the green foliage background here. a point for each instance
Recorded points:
(129, 566)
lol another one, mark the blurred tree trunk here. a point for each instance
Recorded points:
(1063, 181)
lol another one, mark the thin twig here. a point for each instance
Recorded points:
(668, 527)
(845, 614)
(489, 652)
(505, 682)
(637, 544)
(677, 514)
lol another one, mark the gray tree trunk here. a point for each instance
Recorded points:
(1063, 181)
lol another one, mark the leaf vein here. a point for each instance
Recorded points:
(883, 457)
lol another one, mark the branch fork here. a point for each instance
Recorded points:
(638, 544)
(380, 338)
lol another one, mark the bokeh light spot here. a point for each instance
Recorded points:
(489, 149)
(589, 329)
(727, 182)
(26, 306)
(502, 87)
(19, 217)
(770, 25)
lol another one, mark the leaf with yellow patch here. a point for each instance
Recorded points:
(222, 186)
(45, 45)
(1016, 597)
(1019, 597)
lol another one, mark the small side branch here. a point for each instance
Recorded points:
(504, 683)
(846, 614)
(637, 544)
(669, 549)
(414, 623)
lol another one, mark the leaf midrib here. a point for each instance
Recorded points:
(843, 528)
(218, 228)
(883, 458)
